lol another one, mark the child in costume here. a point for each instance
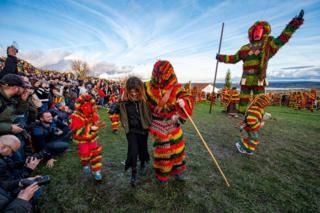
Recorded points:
(253, 121)
(135, 118)
(114, 117)
(166, 98)
(85, 123)
(256, 54)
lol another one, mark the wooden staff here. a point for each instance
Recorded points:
(206, 146)
(217, 63)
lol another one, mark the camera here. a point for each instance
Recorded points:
(42, 155)
(43, 180)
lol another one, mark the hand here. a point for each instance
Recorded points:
(301, 14)
(32, 162)
(25, 94)
(28, 192)
(16, 129)
(175, 118)
(181, 103)
(50, 163)
(94, 128)
(58, 132)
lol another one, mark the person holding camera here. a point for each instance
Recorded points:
(11, 85)
(10, 66)
(47, 138)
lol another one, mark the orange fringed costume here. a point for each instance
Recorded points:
(114, 117)
(83, 120)
(162, 92)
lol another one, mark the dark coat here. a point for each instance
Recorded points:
(145, 115)
(9, 181)
(7, 204)
(10, 66)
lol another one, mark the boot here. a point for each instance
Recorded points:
(133, 177)
(143, 169)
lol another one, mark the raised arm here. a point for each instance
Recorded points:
(283, 38)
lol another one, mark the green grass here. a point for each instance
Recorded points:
(282, 176)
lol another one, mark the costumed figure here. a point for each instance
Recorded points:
(255, 57)
(311, 98)
(231, 99)
(114, 117)
(253, 121)
(85, 123)
(166, 98)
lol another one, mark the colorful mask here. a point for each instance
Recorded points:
(257, 33)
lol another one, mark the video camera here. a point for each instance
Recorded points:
(43, 180)
(41, 155)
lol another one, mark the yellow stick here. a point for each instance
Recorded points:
(205, 145)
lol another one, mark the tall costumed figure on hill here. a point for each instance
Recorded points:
(85, 123)
(167, 98)
(256, 54)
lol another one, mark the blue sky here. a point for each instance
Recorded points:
(120, 38)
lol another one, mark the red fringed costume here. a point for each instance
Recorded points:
(114, 117)
(83, 122)
(162, 92)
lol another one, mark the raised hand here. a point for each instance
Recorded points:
(300, 16)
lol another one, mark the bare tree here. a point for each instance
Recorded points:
(81, 68)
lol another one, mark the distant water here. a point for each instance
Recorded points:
(284, 85)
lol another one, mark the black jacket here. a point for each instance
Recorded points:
(7, 204)
(8, 180)
(10, 66)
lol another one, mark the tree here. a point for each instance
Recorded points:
(227, 83)
(81, 68)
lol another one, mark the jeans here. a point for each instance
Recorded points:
(57, 147)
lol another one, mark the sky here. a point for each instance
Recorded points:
(126, 37)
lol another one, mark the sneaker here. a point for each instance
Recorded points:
(97, 175)
(86, 169)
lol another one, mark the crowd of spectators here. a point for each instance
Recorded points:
(34, 125)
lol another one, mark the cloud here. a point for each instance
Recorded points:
(109, 69)
(299, 72)
(297, 67)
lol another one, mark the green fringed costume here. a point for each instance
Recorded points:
(255, 57)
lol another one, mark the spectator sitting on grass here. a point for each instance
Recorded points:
(48, 138)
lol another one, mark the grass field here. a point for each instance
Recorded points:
(282, 176)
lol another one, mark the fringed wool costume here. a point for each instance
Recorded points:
(163, 91)
(82, 120)
(114, 117)
(255, 57)
(231, 99)
(253, 121)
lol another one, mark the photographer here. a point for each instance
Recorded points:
(16, 189)
(10, 66)
(48, 138)
(10, 86)
(21, 203)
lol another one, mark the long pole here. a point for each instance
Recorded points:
(217, 63)
(206, 146)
